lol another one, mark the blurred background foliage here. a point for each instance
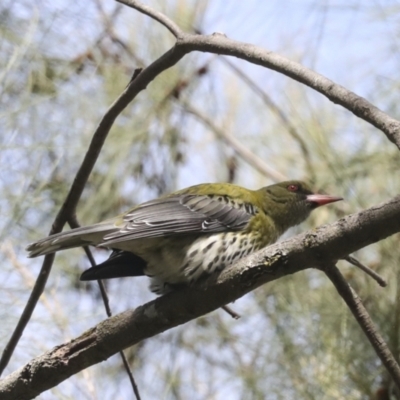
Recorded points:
(62, 64)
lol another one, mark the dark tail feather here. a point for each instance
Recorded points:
(119, 265)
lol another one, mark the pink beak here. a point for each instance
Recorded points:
(322, 199)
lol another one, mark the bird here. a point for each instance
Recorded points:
(192, 233)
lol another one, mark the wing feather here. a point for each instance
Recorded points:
(184, 213)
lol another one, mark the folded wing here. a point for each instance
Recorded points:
(182, 214)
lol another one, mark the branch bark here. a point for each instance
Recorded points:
(318, 247)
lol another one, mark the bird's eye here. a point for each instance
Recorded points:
(293, 188)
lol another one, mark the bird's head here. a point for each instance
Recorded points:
(289, 203)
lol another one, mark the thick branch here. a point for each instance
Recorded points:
(310, 249)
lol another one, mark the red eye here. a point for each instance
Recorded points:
(293, 188)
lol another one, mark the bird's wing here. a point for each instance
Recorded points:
(180, 214)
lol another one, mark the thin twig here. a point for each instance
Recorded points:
(110, 32)
(231, 312)
(364, 320)
(381, 281)
(161, 18)
(73, 223)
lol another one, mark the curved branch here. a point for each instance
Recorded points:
(309, 249)
(134, 87)
(220, 44)
(217, 44)
(161, 18)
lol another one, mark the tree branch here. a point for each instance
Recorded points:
(364, 320)
(161, 18)
(135, 86)
(374, 275)
(217, 44)
(313, 248)
(220, 44)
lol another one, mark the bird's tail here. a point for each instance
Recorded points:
(83, 236)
